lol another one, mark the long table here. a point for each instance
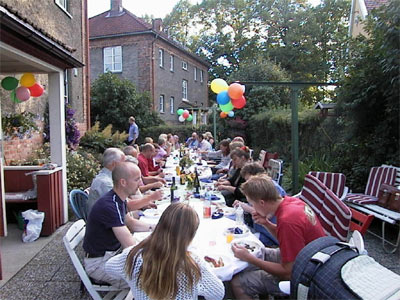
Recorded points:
(210, 239)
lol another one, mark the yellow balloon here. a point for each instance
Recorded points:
(218, 85)
(27, 80)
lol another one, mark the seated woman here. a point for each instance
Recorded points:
(230, 170)
(230, 188)
(224, 153)
(266, 237)
(161, 267)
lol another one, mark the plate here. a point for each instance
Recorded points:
(229, 211)
(252, 246)
(237, 228)
(152, 213)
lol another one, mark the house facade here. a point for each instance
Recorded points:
(49, 39)
(126, 45)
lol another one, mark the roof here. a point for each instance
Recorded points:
(372, 4)
(125, 23)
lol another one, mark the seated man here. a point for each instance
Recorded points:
(297, 225)
(203, 146)
(147, 152)
(192, 142)
(109, 227)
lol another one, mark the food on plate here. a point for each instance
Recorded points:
(213, 262)
(251, 247)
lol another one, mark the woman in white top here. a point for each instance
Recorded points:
(160, 267)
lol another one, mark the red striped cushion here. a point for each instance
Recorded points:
(334, 181)
(333, 214)
(361, 199)
(377, 176)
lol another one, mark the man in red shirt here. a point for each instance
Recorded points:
(297, 225)
(147, 152)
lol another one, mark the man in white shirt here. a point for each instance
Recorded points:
(204, 145)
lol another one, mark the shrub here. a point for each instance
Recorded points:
(82, 167)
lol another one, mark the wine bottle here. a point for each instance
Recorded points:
(196, 181)
(173, 188)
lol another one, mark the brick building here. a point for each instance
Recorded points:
(49, 39)
(126, 45)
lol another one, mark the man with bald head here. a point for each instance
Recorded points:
(109, 227)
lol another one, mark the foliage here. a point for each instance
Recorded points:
(39, 157)
(368, 98)
(19, 125)
(72, 133)
(96, 140)
(82, 167)
(115, 99)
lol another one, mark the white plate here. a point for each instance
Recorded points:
(236, 235)
(152, 213)
(252, 246)
(229, 211)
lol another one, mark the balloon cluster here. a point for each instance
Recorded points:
(184, 115)
(28, 87)
(228, 97)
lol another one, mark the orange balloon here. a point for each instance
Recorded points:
(235, 91)
(223, 114)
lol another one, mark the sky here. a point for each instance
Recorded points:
(157, 8)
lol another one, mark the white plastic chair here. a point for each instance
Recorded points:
(275, 170)
(72, 239)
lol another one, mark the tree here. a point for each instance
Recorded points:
(114, 100)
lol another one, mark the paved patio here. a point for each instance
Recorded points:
(51, 275)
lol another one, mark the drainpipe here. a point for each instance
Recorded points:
(152, 70)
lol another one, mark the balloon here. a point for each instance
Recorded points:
(231, 114)
(235, 91)
(190, 118)
(181, 119)
(27, 80)
(185, 114)
(179, 111)
(23, 93)
(9, 83)
(223, 115)
(227, 107)
(14, 97)
(36, 90)
(223, 98)
(239, 103)
(218, 85)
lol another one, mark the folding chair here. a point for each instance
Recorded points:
(78, 200)
(377, 176)
(336, 182)
(267, 157)
(275, 167)
(333, 214)
(72, 239)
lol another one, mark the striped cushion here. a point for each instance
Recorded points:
(361, 199)
(336, 182)
(377, 176)
(334, 216)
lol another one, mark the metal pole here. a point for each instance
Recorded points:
(295, 139)
(214, 108)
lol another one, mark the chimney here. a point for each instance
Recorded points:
(116, 6)
(157, 24)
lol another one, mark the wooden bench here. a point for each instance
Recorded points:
(385, 215)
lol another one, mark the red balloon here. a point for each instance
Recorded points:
(185, 114)
(223, 114)
(235, 91)
(239, 103)
(36, 90)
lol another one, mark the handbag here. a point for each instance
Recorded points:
(389, 197)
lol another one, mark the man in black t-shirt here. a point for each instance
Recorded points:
(109, 228)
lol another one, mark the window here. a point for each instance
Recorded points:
(161, 57)
(171, 105)
(195, 74)
(66, 89)
(194, 118)
(161, 104)
(201, 76)
(63, 4)
(113, 59)
(184, 89)
(171, 63)
(184, 65)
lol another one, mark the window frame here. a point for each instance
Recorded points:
(184, 65)
(195, 73)
(113, 61)
(201, 76)
(63, 5)
(185, 90)
(161, 57)
(161, 104)
(171, 63)
(172, 105)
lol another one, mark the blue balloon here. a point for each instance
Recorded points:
(223, 98)
(231, 114)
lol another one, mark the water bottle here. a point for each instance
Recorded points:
(239, 215)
